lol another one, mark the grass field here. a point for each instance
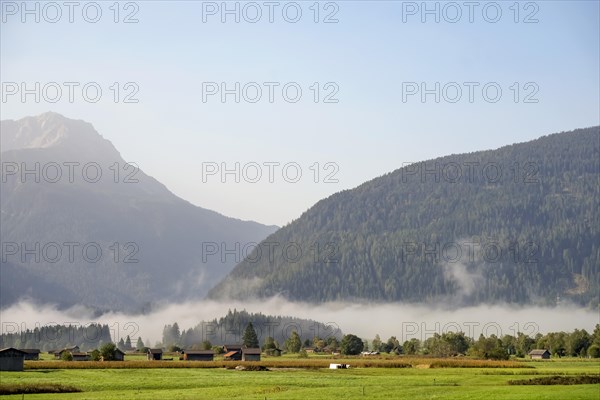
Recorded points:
(417, 381)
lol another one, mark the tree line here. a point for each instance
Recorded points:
(230, 329)
(57, 337)
(578, 343)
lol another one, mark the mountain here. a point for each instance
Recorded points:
(81, 226)
(519, 225)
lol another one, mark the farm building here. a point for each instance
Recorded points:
(273, 352)
(11, 359)
(155, 354)
(119, 355)
(539, 354)
(78, 356)
(232, 347)
(233, 355)
(31, 354)
(198, 355)
(58, 354)
(251, 354)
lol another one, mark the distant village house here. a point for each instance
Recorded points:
(539, 354)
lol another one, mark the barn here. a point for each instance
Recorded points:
(232, 347)
(539, 354)
(58, 354)
(198, 355)
(119, 355)
(11, 359)
(79, 356)
(276, 352)
(31, 354)
(251, 354)
(155, 354)
(233, 355)
(273, 352)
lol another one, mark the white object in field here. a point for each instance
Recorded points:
(338, 366)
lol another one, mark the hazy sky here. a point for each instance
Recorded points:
(375, 61)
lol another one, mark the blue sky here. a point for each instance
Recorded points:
(368, 56)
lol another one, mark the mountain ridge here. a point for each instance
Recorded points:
(547, 184)
(124, 208)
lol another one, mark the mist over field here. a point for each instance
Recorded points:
(405, 321)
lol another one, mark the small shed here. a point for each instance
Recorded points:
(198, 355)
(155, 354)
(233, 355)
(31, 354)
(539, 354)
(276, 352)
(58, 354)
(11, 359)
(79, 356)
(119, 355)
(251, 354)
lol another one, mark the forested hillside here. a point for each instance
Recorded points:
(518, 224)
(230, 328)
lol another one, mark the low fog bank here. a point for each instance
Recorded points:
(404, 321)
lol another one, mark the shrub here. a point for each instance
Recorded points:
(594, 351)
(302, 354)
(351, 345)
(559, 380)
(107, 351)
(467, 363)
(95, 356)
(30, 388)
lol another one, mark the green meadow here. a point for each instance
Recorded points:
(418, 381)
